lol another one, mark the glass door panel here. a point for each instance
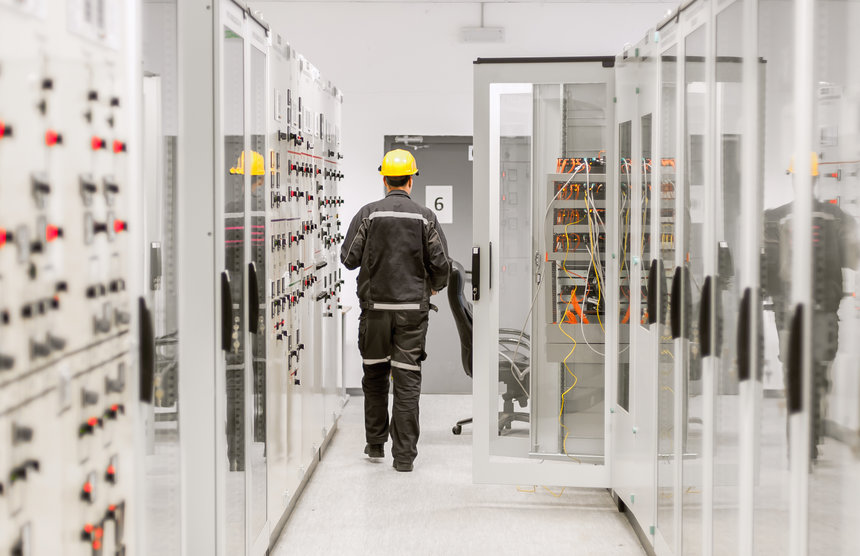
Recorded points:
(541, 159)
(514, 252)
(834, 488)
(235, 163)
(667, 466)
(625, 188)
(729, 146)
(772, 484)
(571, 188)
(692, 272)
(256, 217)
(646, 167)
(163, 480)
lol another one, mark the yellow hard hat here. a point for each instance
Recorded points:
(398, 163)
(258, 164)
(813, 164)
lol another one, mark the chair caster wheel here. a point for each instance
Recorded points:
(457, 429)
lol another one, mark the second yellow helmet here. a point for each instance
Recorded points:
(258, 164)
(398, 163)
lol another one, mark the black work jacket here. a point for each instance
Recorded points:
(402, 252)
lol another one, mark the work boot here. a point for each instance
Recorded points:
(375, 450)
(403, 466)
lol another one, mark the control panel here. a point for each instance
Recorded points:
(68, 374)
(303, 276)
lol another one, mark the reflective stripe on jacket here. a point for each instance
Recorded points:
(402, 252)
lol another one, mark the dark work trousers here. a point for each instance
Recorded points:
(392, 345)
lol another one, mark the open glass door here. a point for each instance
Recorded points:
(545, 267)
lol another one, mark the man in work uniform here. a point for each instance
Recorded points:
(403, 257)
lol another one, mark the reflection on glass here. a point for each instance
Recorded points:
(237, 163)
(257, 219)
(625, 185)
(162, 472)
(834, 489)
(729, 151)
(695, 115)
(667, 468)
(514, 251)
(773, 484)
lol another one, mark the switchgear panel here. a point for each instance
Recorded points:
(68, 374)
(303, 275)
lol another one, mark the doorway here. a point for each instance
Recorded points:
(447, 161)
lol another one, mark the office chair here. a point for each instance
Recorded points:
(514, 366)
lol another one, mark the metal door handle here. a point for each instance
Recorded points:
(794, 382)
(147, 351)
(476, 273)
(653, 294)
(226, 311)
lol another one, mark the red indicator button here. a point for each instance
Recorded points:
(93, 421)
(52, 232)
(118, 147)
(99, 533)
(5, 130)
(88, 488)
(52, 138)
(88, 528)
(97, 545)
(3, 237)
(119, 226)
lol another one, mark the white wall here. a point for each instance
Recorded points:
(403, 70)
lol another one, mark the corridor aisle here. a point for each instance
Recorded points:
(354, 506)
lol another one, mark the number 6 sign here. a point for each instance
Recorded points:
(440, 199)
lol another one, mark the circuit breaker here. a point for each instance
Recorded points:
(68, 322)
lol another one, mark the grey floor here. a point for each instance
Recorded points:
(355, 506)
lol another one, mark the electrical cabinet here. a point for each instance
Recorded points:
(555, 234)
(279, 279)
(727, 313)
(303, 276)
(71, 378)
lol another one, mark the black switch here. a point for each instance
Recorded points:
(39, 349)
(47, 83)
(89, 397)
(56, 343)
(21, 434)
(6, 362)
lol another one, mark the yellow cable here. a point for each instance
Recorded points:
(572, 339)
(596, 273)
(554, 494)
